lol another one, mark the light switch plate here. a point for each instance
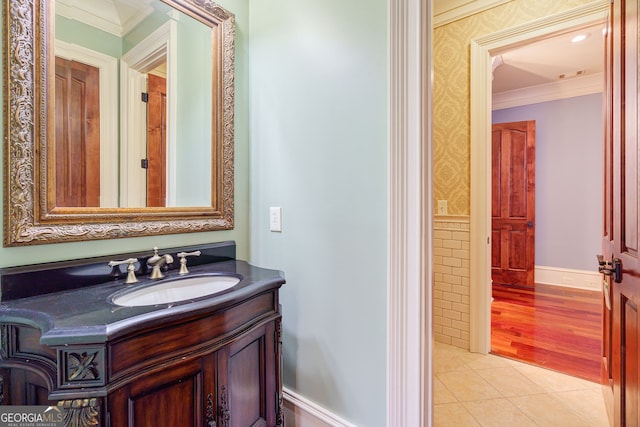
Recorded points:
(442, 207)
(275, 219)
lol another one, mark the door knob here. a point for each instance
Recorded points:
(529, 224)
(611, 268)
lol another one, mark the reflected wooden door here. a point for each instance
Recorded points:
(156, 141)
(624, 191)
(77, 133)
(513, 203)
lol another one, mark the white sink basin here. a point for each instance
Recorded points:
(175, 290)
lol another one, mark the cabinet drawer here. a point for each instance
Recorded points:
(153, 346)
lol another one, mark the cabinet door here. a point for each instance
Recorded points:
(247, 380)
(169, 398)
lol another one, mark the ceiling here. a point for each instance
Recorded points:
(544, 61)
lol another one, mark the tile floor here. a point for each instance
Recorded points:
(486, 390)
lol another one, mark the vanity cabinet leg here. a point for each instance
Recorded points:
(278, 369)
(80, 412)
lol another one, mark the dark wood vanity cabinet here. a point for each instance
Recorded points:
(27, 376)
(215, 366)
(202, 362)
(23, 387)
(235, 385)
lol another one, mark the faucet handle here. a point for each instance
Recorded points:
(183, 260)
(131, 270)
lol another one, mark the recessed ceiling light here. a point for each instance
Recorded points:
(579, 38)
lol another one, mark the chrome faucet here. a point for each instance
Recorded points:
(156, 262)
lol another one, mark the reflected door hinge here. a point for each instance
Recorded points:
(144, 96)
(144, 163)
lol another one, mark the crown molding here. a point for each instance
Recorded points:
(563, 89)
(447, 11)
(98, 15)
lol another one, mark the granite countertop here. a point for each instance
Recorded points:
(85, 315)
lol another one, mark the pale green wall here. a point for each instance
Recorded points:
(79, 33)
(318, 78)
(194, 112)
(55, 252)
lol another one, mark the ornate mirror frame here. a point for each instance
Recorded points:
(27, 46)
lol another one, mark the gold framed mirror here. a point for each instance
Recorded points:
(57, 188)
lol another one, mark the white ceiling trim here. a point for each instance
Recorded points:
(447, 11)
(99, 15)
(69, 11)
(570, 88)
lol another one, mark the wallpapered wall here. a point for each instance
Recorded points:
(451, 91)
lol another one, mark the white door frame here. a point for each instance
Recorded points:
(409, 214)
(480, 221)
(158, 47)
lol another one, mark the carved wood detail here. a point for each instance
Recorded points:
(80, 412)
(214, 9)
(225, 416)
(2, 387)
(279, 394)
(81, 366)
(26, 217)
(210, 414)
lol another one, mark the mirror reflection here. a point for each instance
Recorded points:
(133, 106)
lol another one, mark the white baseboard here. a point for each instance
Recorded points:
(301, 412)
(580, 279)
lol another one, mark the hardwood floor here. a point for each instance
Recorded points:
(554, 327)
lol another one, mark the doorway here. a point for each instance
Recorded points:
(154, 56)
(555, 320)
(513, 208)
(481, 51)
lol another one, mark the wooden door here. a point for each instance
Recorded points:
(513, 203)
(77, 133)
(156, 141)
(608, 223)
(625, 214)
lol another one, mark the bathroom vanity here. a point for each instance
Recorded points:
(212, 360)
